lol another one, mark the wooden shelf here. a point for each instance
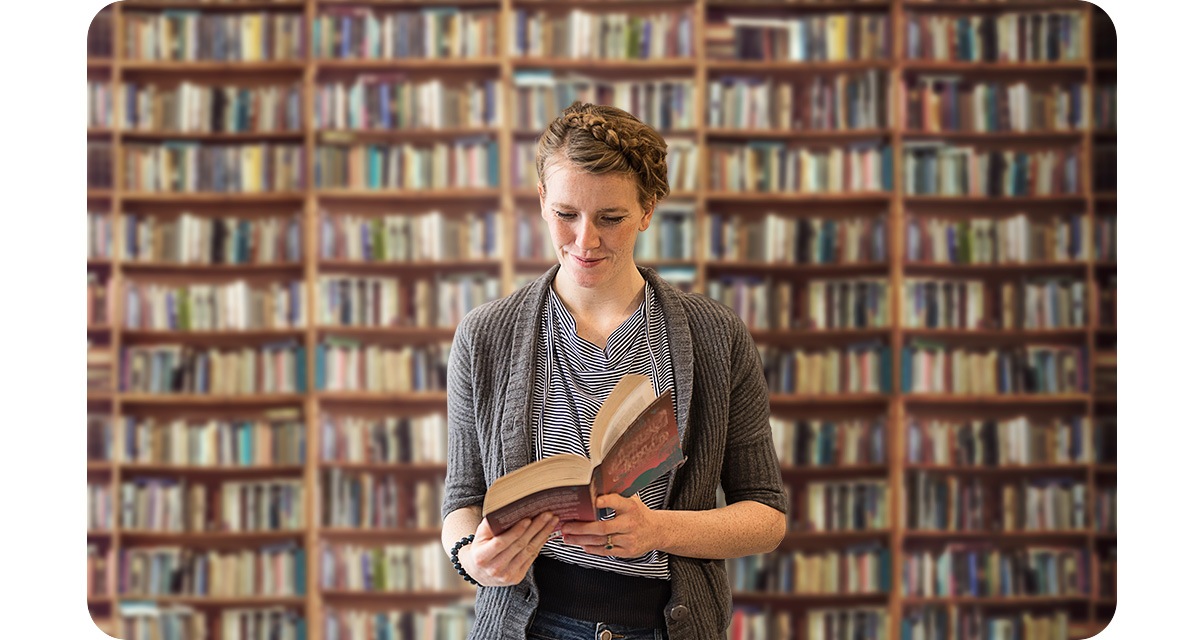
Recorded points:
(95, 466)
(94, 132)
(797, 198)
(192, 538)
(193, 268)
(100, 328)
(380, 535)
(392, 598)
(1011, 469)
(593, 65)
(416, 397)
(814, 599)
(207, 400)
(1105, 468)
(207, 136)
(227, 335)
(798, 135)
(214, 66)
(997, 335)
(828, 538)
(1016, 399)
(100, 396)
(391, 195)
(996, 136)
(186, 198)
(915, 268)
(217, 601)
(993, 601)
(239, 5)
(398, 334)
(212, 470)
(461, 264)
(803, 336)
(997, 536)
(1000, 200)
(98, 194)
(99, 63)
(783, 401)
(400, 135)
(763, 66)
(933, 66)
(386, 467)
(834, 470)
(977, 6)
(411, 64)
(787, 268)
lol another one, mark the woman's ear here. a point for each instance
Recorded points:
(646, 220)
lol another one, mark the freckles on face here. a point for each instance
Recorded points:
(593, 219)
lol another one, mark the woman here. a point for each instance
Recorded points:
(528, 372)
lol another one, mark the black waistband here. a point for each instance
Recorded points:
(603, 596)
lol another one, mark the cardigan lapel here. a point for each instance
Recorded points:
(520, 388)
(681, 347)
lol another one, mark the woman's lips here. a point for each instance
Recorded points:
(582, 262)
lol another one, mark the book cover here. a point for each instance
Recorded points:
(633, 441)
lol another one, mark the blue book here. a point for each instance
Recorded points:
(320, 367)
(905, 367)
(345, 48)
(300, 383)
(492, 150)
(884, 372)
(299, 572)
(386, 119)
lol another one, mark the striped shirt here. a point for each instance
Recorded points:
(573, 378)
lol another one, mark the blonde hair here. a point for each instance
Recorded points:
(603, 139)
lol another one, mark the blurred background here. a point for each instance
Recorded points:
(292, 203)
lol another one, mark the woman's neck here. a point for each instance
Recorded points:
(609, 305)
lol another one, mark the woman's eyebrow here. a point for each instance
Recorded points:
(565, 205)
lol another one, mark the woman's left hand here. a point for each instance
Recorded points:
(631, 533)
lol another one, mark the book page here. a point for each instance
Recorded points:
(648, 449)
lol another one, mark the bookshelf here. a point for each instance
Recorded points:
(922, 188)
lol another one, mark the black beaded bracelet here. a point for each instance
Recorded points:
(455, 558)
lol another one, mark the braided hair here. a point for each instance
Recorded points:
(604, 139)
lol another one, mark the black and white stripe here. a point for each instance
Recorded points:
(573, 378)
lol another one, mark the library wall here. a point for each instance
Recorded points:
(292, 203)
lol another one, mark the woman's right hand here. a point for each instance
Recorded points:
(503, 560)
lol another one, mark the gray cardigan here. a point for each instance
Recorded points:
(722, 413)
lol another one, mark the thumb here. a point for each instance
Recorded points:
(484, 531)
(616, 501)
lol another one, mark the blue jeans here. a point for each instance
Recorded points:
(551, 626)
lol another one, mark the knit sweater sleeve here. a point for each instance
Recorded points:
(750, 468)
(465, 481)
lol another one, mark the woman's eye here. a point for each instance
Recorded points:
(563, 215)
(612, 220)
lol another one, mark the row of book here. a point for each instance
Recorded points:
(950, 502)
(147, 620)
(100, 164)
(173, 368)
(344, 364)
(177, 167)
(1105, 237)
(1011, 36)
(1017, 441)
(980, 571)
(939, 103)
(390, 568)
(778, 238)
(383, 439)
(439, 621)
(820, 304)
(377, 301)
(100, 367)
(831, 37)
(101, 506)
(816, 623)
(964, 623)
(855, 368)
(1043, 302)
(614, 35)
(101, 571)
(933, 367)
(855, 569)
(383, 102)
(464, 163)
(206, 239)
(360, 33)
(365, 500)
(99, 300)
(190, 107)
(776, 167)
(100, 235)
(175, 505)
(231, 306)
(100, 437)
(1014, 239)
(276, 438)
(941, 169)
(829, 442)
(100, 35)
(415, 237)
(1105, 106)
(665, 104)
(100, 104)
(1107, 301)
(270, 570)
(670, 236)
(838, 102)
(193, 36)
(845, 505)
(681, 160)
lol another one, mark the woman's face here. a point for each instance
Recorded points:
(593, 220)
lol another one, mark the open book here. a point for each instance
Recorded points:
(633, 441)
